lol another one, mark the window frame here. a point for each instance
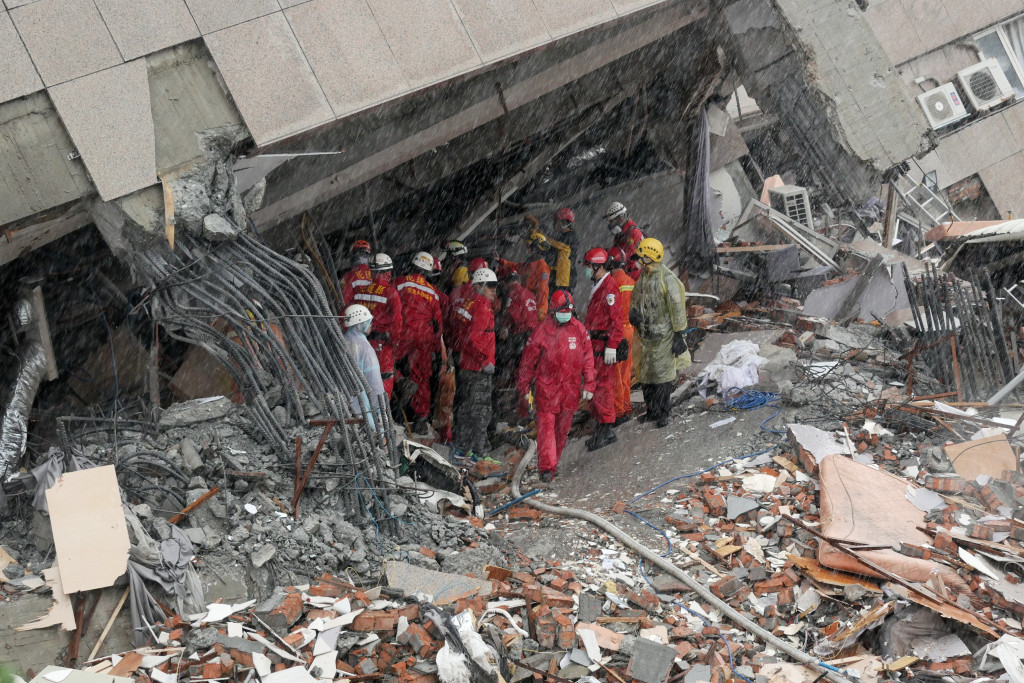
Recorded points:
(1017, 66)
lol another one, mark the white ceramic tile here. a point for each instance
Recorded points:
(109, 118)
(66, 38)
(348, 53)
(427, 37)
(140, 28)
(269, 78)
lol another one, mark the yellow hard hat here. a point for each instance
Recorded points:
(538, 240)
(460, 276)
(650, 248)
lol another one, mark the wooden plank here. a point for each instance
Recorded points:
(127, 666)
(24, 240)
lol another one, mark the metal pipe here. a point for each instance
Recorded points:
(998, 397)
(697, 587)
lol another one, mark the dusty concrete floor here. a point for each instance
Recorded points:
(642, 458)
(645, 456)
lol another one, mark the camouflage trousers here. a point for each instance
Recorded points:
(473, 411)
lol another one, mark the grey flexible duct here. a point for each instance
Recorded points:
(14, 437)
(696, 586)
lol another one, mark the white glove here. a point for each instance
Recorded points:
(488, 369)
(587, 395)
(610, 355)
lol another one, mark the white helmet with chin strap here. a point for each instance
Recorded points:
(423, 261)
(614, 210)
(483, 276)
(613, 214)
(357, 313)
(383, 262)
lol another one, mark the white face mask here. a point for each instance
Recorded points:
(563, 317)
(615, 229)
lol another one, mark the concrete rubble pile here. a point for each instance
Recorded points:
(872, 520)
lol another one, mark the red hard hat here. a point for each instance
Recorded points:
(597, 256)
(562, 301)
(360, 245)
(616, 255)
(476, 264)
(505, 272)
(565, 214)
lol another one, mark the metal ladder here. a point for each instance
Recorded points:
(923, 200)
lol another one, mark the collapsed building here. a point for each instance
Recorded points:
(175, 240)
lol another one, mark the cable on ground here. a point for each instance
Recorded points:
(734, 615)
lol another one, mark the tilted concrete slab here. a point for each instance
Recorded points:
(141, 28)
(501, 29)
(66, 38)
(214, 15)
(20, 77)
(269, 78)
(567, 16)
(427, 37)
(108, 117)
(35, 145)
(348, 53)
(624, 6)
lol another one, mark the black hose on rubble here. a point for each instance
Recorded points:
(697, 587)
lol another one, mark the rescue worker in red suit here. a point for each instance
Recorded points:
(558, 363)
(604, 325)
(535, 271)
(518, 318)
(421, 333)
(626, 236)
(624, 368)
(381, 298)
(458, 294)
(474, 340)
(360, 274)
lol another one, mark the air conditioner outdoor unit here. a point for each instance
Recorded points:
(942, 106)
(985, 85)
(792, 201)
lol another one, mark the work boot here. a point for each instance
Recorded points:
(623, 419)
(662, 422)
(421, 426)
(547, 476)
(603, 436)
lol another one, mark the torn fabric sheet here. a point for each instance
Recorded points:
(735, 366)
(167, 562)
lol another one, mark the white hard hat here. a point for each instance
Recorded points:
(456, 248)
(483, 276)
(614, 210)
(424, 261)
(381, 262)
(357, 313)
